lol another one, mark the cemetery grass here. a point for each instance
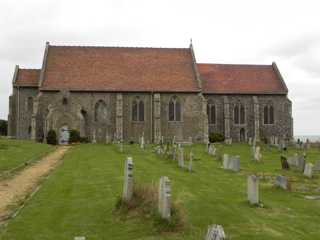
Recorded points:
(16, 154)
(80, 196)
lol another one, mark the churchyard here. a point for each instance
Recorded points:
(80, 196)
(15, 154)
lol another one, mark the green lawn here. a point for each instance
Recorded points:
(79, 198)
(14, 153)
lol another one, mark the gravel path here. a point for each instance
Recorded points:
(17, 188)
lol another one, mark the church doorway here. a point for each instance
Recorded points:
(64, 135)
(242, 135)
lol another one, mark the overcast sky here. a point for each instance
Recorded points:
(240, 31)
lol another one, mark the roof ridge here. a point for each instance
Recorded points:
(236, 64)
(100, 46)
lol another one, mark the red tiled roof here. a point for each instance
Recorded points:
(119, 69)
(27, 77)
(242, 79)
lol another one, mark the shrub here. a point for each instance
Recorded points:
(3, 127)
(74, 136)
(84, 140)
(216, 137)
(52, 137)
(144, 203)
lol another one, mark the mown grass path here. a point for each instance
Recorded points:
(80, 196)
(17, 188)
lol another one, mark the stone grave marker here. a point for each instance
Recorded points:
(180, 157)
(225, 161)
(190, 161)
(257, 154)
(142, 142)
(316, 166)
(212, 150)
(282, 181)
(253, 189)
(128, 180)
(79, 238)
(228, 141)
(164, 198)
(308, 170)
(215, 232)
(94, 140)
(250, 141)
(231, 162)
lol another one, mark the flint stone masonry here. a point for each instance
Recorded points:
(215, 232)
(164, 198)
(282, 181)
(308, 170)
(253, 189)
(128, 180)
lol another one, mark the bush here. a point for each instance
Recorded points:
(74, 136)
(216, 137)
(84, 140)
(52, 137)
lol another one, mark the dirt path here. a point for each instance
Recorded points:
(16, 189)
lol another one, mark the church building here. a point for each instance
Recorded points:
(122, 93)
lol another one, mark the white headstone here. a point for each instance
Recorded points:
(250, 141)
(128, 180)
(225, 161)
(215, 232)
(257, 154)
(253, 189)
(164, 198)
(180, 157)
(234, 163)
(94, 136)
(80, 238)
(308, 170)
(142, 142)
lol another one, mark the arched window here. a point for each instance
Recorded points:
(236, 114)
(137, 110)
(211, 111)
(239, 114)
(268, 112)
(100, 112)
(174, 109)
(30, 104)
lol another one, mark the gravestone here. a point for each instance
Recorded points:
(228, 141)
(316, 166)
(284, 163)
(80, 238)
(190, 161)
(94, 140)
(164, 198)
(282, 181)
(212, 150)
(215, 232)
(231, 162)
(225, 161)
(253, 189)
(257, 154)
(250, 141)
(142, 142)
(308, 170)
(180, 157)
(297, 161)
(128, 180)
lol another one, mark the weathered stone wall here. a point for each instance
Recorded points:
(19, 112)
(283, 123)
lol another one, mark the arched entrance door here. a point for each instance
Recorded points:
(242, 135)
(64, 135)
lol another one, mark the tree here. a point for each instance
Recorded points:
(3, 127)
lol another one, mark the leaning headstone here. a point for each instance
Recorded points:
(128, 180)
(284, 163)
(308, 170)
(257, 154)
(253, 189)
(164, 198)
(316, 166)
(282, 181)
(215, 232)
(180, 157)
